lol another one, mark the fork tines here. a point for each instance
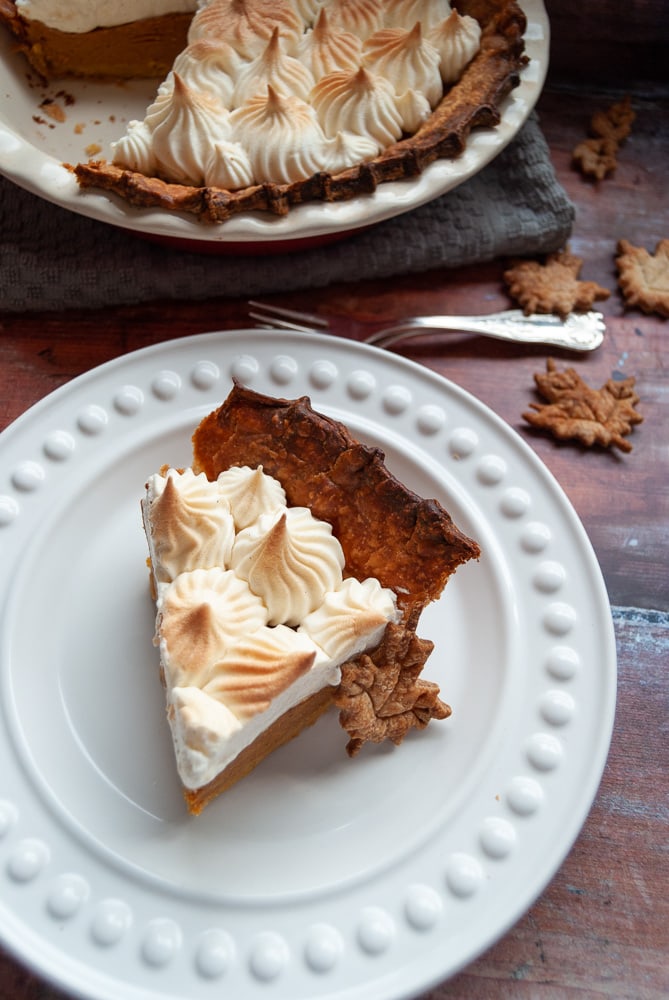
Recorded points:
(288, 319)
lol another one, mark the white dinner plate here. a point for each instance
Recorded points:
(317, 876)
(34, 146)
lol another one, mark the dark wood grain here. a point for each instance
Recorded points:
(600, 927)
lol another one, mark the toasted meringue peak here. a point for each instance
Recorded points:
(209, 66)
(402, 13)
(361, 17)
(259, 667)
(290, 560)
(282, 136)
(201, 615)
(457, 39)
(325, 50)
(250, 493)
(183, 131)
(405, 58)
(247, 25)
(273, 66)
(359, 102)
(351, 618)
(191, 524)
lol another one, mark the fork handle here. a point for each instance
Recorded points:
(579, 332)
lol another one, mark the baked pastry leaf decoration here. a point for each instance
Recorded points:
(644, 277)
(553, 286)
(382, 696)
(575, 411)
(596, 157)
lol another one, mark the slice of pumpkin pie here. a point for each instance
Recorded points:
(290, 569)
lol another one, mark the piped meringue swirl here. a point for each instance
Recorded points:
(273, 66)
(191, 525)
(247, 24)
(407, 60)
(325, 50)
(282, 137)
(259, 668)
(457, 40)
(201, 615)
(360, 17)
(360, 102)
(290, 560)
(351, 618)
(404, 13)
(250, 493)
(182, 135)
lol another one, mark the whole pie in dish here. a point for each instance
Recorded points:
(290, 569)
(274, 103)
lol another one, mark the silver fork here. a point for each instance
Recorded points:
(578, 332)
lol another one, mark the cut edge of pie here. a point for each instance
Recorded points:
(145, 48)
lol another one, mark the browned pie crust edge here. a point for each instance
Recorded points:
(410, 544)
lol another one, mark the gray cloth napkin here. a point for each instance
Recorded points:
(54, 259)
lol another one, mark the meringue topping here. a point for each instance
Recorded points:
(191, 525)
(201, 615)
(457, 39)
(243, 641)
(274, 67)
(182, 136)
(210, 66)
(247, 25)
(360, 17)
(282, 137)
(259, 668)
(351, 618)
(407, 60)
(401, 13)
(325, 50)
(250, 493)
(274, 91)
(290, 560)
(361, 102)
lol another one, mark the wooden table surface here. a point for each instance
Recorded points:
(601, 926)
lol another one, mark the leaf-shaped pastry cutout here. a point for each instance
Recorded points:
(554, 286)
(575, 411)
(381, 695)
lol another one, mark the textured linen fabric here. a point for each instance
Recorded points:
(53, 259)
